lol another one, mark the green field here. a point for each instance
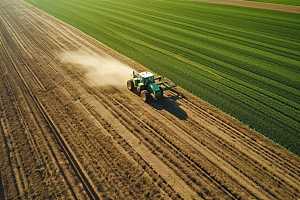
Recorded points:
(244, 61)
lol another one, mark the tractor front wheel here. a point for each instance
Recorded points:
(145, 95)
(130, 85)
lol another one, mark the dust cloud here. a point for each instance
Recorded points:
(99, 70)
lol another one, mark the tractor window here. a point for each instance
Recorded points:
(151, 79)
(140, 79)
(146, 81)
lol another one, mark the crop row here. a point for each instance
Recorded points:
(244, 61)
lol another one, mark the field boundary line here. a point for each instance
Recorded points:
(252, 4)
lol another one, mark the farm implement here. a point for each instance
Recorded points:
(148, 86)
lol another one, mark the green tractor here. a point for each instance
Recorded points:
(148, 86)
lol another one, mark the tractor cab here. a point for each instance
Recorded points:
(145, 78)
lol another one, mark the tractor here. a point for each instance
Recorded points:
(148, 86)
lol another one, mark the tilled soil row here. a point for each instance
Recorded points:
(41, 152)
(65, 137)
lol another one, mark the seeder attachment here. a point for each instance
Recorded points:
(165, 82)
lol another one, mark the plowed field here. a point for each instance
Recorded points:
(66, 134)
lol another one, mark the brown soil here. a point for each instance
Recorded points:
(63, 137)
(253, 4)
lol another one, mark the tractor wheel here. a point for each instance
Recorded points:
(161, 92)
(138, 89)
(145, 95)
(130, 85)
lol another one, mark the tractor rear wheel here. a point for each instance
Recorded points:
(130, 85)
(145, 95)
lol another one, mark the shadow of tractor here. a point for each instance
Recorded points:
(168, 103)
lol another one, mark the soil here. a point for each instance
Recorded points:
(253, 4)
(65, 137)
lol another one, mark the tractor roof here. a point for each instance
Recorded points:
(146, 74)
